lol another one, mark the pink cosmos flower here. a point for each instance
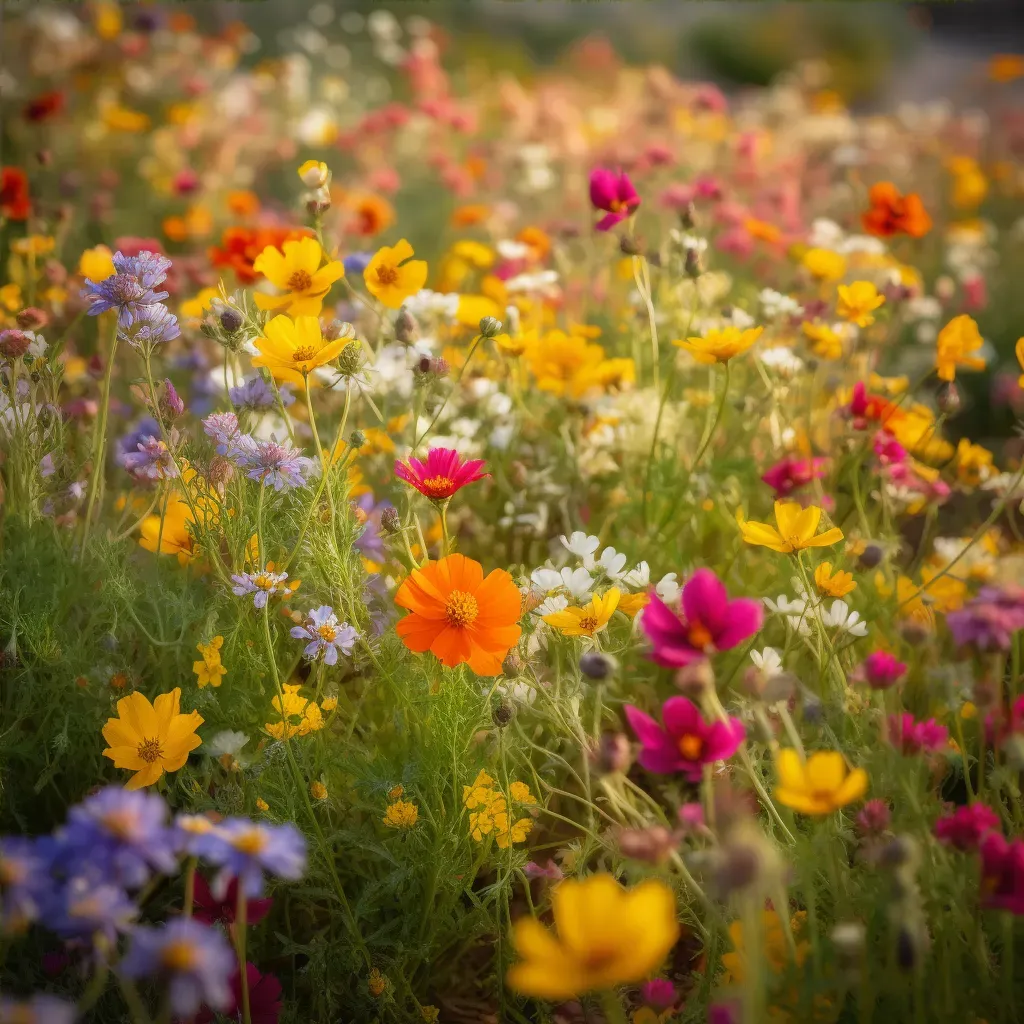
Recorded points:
(915, 737)
(441, 475)
(614, 193)
(873, 818)
(1002, 873)
(966, 826)
(880, 670)
(888, 449)
(789, 474)
(710, 622)
(684, 742)
(659, 993)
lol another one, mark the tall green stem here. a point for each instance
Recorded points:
(241, 909)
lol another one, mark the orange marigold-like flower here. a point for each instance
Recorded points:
(892, 213)
(239, 247)
(458, 615)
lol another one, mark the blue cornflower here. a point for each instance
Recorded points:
(84, 908)
(151, 460)
(270, 462)
(121, 833)
(369, 543)
(146, 427)
(145, 326)
(254, 394)
(326, 634)
(356, 262)
(262, 585)
(130, 288)
(24, 880)
(222, 429)
(40, 1009)
(195, 961)
(245, 849)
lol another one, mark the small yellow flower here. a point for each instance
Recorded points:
(630, 604)
(295, 269)
(210, 671)
(820, 785)
(97, 264)
(520, 792)
(590, 619)
(317, 790)
(295, 707)
(824, 264)
(825, 342)
(401, 814)
(974, 463)
(506, 833)
(953, 348)
(33, 245)
(329, 703)
(858, 301)
(195, 307)
(797, 529)
(396, 791)
(377, 983)
(430, 1014)
(314, 174)
(606, 936)
(393, 275)
(293, 349)
(262, 805)
(720, 345)
(479, 793)
(833, 584)
(1019, 349)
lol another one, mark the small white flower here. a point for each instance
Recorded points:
(546, 580)
(769, 661)
(581, 545)
(795, 611)
(577, 581)
(553, 604)
(510, 250)
(840, 618)
(521, 692)
(668, 589)
(640, 577)
(228, 742)
(775, 304)
(612, 562)
(783, 360)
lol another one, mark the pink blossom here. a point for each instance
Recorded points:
(1002, 873)
(880, 670)
(966, 826)
(614, 193)
(915, 737)
(659, 993)
(788, 474)
(873, 818)
(684, 742)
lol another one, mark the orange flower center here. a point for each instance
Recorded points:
(588, 623)
(300, 281)
(327, 632)
(387, 275)
(150, 751)
(304, 355)
(438, 486)
(461, 609)
(263, 581)
(823, 796)
(699, 635)
(600, 957)
(251, 842)
(178, 956)
(690, 746)
(615, 205)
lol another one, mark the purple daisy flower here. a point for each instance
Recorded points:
(326, 634)
(194, 961)
(246, 849)
(262, 585)
(989, 621)
(370, 544)
(151, 460)
(24, 879)
(84, 908)
(122, 833)
(130, 288)
(222, 429)
(39, 1009)
(146, 326)
(147, 427)
(270, 462)
(254, 394)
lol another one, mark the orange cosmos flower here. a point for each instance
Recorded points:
(892, 213)
(459, 616)
(371, 214)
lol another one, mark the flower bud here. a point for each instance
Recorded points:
(220, 471)
(356, 440)
(502, 712)
(314, 174)
(694, 265)
(13, 344)
(171, 403)
(688, 217)
(350, 358)
(595, 665)
(630, 246)
(390, 520)
(490, 326)
(406, 327)
(32, 319)
(613, 754)
(230, 319)
(871, 556)
(651, 845)
(873, 818)
(338, 329)
(695, 679)
(512, 666)
(949, 401)
(736, 868)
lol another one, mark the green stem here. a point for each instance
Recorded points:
(455, 384)
(612, 1006)
(190, 887)
(241, 908)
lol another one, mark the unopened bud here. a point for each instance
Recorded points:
(737, 868)
(406, 327)
(32, 319)
(230, 319)
(612, 754)
(14, 344)
(490, 326)
(595, 665)
(390, 520)
(949, 401)
(512, 666)
(314, 174)
(338, 329)
(502, 712)
(220, 471)
(871, 556)
(650, 845)
(350, 358)
(318, 203)
(697, 678)
(356, 439)
(694, 266)
(171, 403)
(688, 217)
(630, 246)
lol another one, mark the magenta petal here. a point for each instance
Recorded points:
(681, 716)
(744, 619)
(647, 730)
(658, 616)
(609, 220)
(660, 760)
(676, 656)
(603, 187)
(723, 740)
(705, 600)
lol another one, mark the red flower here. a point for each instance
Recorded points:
(210, 910)
(892, 213)
(239, 247)
(14, 200)
(44, 106)
(264, 999)
(442, 474)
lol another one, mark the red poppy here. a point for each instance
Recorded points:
(239, 247)
(44, 106)
(264, 999)
(210, 910)
(14, 200)
(892, 213)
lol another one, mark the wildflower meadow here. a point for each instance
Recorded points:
(482, 545)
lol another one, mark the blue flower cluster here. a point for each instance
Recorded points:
(265, 461)
(84, 883)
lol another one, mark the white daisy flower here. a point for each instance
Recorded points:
(840, 618)
(612, 562)
(581, 545)
(639, 577)
(667, 588)
(769, 661)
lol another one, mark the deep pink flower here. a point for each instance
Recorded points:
(691, 816)
(265, 1002)
(710, 622)
(1002, 873)
(880, 670)
(614, 193)
(210, 910)
(684, 742)
(789, 474)
(441, 475)
(966, 826)
(659, 993)
(873, 818)
(915, 737)
(888, 449)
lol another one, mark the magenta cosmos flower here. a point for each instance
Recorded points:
(684, 742)
(1002, 873)
(615, 194)
(880, 670)
(710, 622)
(967, 826)
(442, 474)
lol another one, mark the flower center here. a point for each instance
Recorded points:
(12, 872)
(327, 632)
(264, 581)
(438, 486)
(304, 355)
(149, 751)
(823, 796)
(699, 635)
(616, 205)
(461, 609)
(251, 842)
(588, 623)
(599, 958)
(178, 956)
(387, 275)
(691, 746)
(300, 281)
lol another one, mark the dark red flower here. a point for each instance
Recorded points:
(210, 910)
(44, 106)
(264, 999)
(14, 199)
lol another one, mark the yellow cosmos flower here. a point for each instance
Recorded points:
(292, 349)
(393, 275)
(606, 936)
(97, 264)
(953, 348)
(834, 584)
(796, 529)
(210, 671)
(974, 464)
(590, 619)
(775, 946)
(858, 301)
(295, 269)
(824, 264)
(402, 814)
(970, 186)
(195, 307)
(820, 785)
(825, 342)
(150, 739)
(317, 790)
(719, 346)
(292, 708)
